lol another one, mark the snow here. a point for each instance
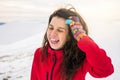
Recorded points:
(16, 57)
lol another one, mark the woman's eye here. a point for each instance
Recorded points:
(59, 30)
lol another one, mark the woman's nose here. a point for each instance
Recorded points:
(53, 33)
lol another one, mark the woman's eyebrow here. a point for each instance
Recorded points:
(58, 27)
(50, 25)
(61, 28)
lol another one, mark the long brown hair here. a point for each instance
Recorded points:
(73, 57)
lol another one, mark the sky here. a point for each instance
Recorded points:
(11, 10)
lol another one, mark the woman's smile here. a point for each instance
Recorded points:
(54, 41)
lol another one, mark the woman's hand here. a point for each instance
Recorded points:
(76, 27)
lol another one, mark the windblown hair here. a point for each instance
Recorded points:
(73, 57)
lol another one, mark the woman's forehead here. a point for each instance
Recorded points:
(58, 22)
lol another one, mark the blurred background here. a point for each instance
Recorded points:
(23, 24)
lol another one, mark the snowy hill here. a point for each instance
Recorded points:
(16, 59)
(14, 31)
(17, 47)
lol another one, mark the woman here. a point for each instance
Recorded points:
(68, 53)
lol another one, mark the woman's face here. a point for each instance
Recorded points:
(57, 33)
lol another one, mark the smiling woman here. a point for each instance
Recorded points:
(68, 53)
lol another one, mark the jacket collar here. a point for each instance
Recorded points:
(58, 53)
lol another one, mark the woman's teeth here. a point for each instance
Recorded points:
(54, 41)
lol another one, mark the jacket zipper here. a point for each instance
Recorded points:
(54, 60)
(47, 76)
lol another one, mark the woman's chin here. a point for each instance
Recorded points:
(55, 48)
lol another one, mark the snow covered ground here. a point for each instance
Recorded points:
(16, 55)
(16, 59)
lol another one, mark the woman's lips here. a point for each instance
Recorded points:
(54, 41)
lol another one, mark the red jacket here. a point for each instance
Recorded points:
(97, 63)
